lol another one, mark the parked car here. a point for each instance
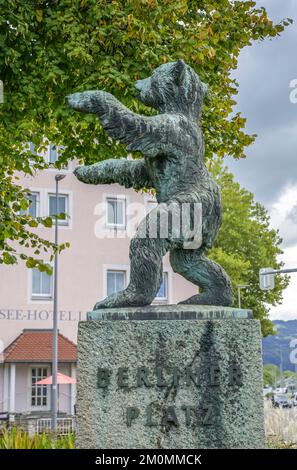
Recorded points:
(281, 390)
(281, 401)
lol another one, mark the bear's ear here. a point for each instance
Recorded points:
(179, 72)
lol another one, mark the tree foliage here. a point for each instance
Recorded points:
(271, 373)
(246, 243)
(50, 48)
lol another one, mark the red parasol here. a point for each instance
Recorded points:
(61, 379)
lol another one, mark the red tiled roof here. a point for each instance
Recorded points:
(36, 346)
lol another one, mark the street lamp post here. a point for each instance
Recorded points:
(239, 287)
(54, 398)
(267, 275)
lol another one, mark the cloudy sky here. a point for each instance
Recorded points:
(265, 73)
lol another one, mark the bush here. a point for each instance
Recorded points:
(16, 438)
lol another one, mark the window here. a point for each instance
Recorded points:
(41, 285)
(33, 208)
(163, 291)
(115, 281)
(38, 392)
(62, 207)
(116, 212)
(32, 150)
(53, 154)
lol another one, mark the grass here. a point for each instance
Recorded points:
(275, 443)
(16, 438)
(280, 427)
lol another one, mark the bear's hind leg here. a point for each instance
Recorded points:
(146, 255)
(204, 273)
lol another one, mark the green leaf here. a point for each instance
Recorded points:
(33, 223)
(39, 15)
(31, 263)
(62, 216)
(8, 258)
(48, 269)
(48, 222)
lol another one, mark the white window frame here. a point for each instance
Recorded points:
(120, 198)
(116, 271)
(62, 222)
(49, 152)
(114, 267)
(46, 192)
(37, 194)
(40, 297)
(48, 395)
(26, 212)
(164, 300)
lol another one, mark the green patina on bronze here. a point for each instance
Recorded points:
(173, 149)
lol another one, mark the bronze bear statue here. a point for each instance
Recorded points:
(173, 149)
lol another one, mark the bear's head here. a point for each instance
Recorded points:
(173, 88)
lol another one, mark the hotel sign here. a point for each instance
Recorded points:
(40, 315)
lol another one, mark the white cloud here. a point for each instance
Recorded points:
(282, 215)
(280, 212)
(288, 309)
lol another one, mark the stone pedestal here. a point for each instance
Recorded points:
(170, 377)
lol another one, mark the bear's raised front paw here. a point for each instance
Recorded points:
(75, 101)
(78, 172)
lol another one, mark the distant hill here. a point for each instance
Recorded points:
(276, 349)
